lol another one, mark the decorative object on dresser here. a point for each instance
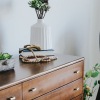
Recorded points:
(40, 32)
(40, 6)
(6, 62)
(45, 81)
(34, 57)
(37, 51)
(27, 52)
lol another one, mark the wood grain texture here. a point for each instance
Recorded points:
(61, 79)
(14, 91)
(80, 97)
(53, 80)
(66, 92)
(23, 72)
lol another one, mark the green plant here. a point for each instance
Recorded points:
(89, 86)
(4, 56)
(41, 7)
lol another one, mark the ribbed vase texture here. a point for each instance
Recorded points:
(41, 35)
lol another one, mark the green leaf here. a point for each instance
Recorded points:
(85, 85)
(95, 83)
(96, 64)
(88, 74)
(39, 4)
(94, 74)
(6, 56)
(90, 94)
(1, 56)
(86, 91)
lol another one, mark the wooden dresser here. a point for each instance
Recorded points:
(61, 79)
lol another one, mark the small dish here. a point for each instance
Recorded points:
(7, 64)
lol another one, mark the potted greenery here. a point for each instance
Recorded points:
(6, 62)
(40, 6)
(40, 32)
(90, 81)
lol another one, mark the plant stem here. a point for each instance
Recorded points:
(40, 13)
(44, 14)
(37, 13)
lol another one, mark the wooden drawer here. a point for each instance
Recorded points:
(80, 97)
(48, 82)
(11, 93)
(66, 92)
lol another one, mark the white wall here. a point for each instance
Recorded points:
(71, 22)
(73, 25)
(94, 33)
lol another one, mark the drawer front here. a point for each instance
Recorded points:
(66, 92)
(80, 97)
(12, 93)
(43, 84)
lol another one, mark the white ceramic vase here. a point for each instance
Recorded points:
(41, 35)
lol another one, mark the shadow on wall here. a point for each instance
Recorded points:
(5, 7)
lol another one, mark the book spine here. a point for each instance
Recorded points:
(27, 50)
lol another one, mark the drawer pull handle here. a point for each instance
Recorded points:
(33, 89)
(12, 98)
(76, 89)
(76, 71)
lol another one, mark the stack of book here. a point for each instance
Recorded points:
(26, 52)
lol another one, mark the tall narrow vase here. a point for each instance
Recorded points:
(41, 35)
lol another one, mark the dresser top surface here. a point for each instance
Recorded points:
(23, 72)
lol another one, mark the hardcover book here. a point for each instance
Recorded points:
(26, 52)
